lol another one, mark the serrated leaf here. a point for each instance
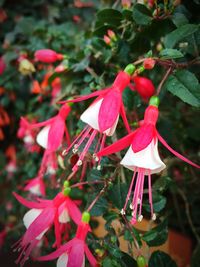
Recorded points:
(180, 33)
(157, 236)
(161, 259)
(170, 53)
(184, 85)
(142, 15)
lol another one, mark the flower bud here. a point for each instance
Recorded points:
(141, 262)
(35, 89)
(112, 35)
(144, 87)
(126, 4)
(26, 67)
(47, 56)
(149, 63)
(107, 40)
(86, 217)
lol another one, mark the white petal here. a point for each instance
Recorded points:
(30, 216)
(35, 190)
(28, 139)
(62, 260)
(90, 115)
(64, 216)
(42, 137)
(148, 159)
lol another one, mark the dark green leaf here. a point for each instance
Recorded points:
(157, 236)
(100, 206)
(127, 260)
(184, 85)
(108, 16)
(118, 194)
(141, 14)
(159, 203)
(161, 259)
(177, 35)
(196, 257)
(162, 184)
(170, 53)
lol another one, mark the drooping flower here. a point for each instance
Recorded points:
(41, 216)
(142, 158)
(47, 56)
(102, 115)
(72, 254)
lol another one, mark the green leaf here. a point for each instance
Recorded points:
(170, 53)
(162, 184)
(184, 85)
(108, 17)
(142, 15)
(127, 260)
(118, 194)
(161, 259)
(159, 203)
(177, 35)
(196, 257)
(157, 236)
(100, 206)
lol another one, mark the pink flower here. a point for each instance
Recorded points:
(41, 216)
(144, 87)
(47, 56)
(72, 254)
(142, 158)
(102, 115)
(2, 65)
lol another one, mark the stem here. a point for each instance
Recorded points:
(87, 183)
(71, 175)
(97, 198)
(187, 210)
(130, 229)
(163, 80)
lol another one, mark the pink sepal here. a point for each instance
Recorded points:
(85, 97)
(109, 110)
(124, 118)
(175, 152)
(41, 124)
(40, 224)
(34, 182)
(117, 146)
(73, 210)
(76, 254)
(29, 204)
(143, 137)
(63, 249)
(55, 134)
(90, 257)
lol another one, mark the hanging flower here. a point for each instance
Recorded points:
(102, 115)
(47, 56)
(73, 253)
(41, 216)
(142, 158)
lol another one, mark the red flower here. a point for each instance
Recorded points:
(47, 56)
(102, 115)
(72, 254)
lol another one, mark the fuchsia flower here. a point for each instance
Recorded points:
(41, 216)
(142, 157)
(143, 86)
(102, 115)
(47, 56)
(72, 254)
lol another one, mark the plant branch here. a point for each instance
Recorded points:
(163, 80)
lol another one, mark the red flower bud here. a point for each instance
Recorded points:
(47, 56)
(2, 65)
(144, 87)
(149, 63)
(107, 40)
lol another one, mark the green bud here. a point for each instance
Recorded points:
(66, 191)
(66, 184)
(86, 217)
(140, 69)
(141, 262)
(130, 68)
(154, 101)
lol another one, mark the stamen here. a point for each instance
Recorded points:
(129, 191)
(150, 194)
(122, 212)
(141, 192)
(140, 218)
(153, 217)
